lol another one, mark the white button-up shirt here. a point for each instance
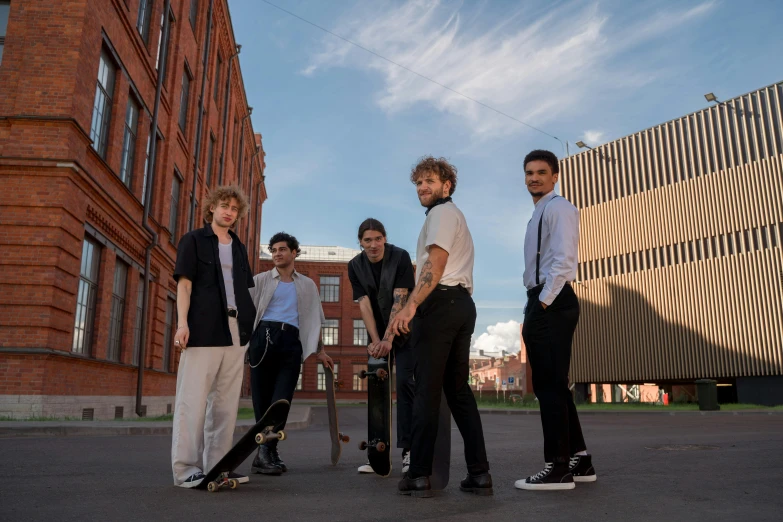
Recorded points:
(308, 301)
(559, 246)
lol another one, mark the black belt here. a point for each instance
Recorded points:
(447, 287)
(280, 326)
(232, 312)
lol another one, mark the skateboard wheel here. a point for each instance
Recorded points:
(212, 487)
(363, 445)
(363, 374)
(344, 438)
(233, 483)
(381, 447)
(281, 435)
(382, 374)
(260, 438)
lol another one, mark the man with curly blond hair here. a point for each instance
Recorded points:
(440, 316)
(215, 316)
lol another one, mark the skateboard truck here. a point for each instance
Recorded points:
(380, 373)
(379, 446)
(266, 436)
(221, 482)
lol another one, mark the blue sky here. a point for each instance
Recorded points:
(342, 128)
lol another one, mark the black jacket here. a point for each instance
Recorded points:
(198, 259)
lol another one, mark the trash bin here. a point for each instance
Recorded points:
(707, 391)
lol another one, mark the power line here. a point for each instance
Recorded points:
(412, 71)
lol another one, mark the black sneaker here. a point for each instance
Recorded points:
(194, 480)
(581, 467)
(276, 459)
(478, 484)
(242, 479)
(415, 487)
(264, 464)
(552, 477)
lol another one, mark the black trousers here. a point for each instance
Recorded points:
(548, 335)
(440, 340)
(405, 361)
(274, 377)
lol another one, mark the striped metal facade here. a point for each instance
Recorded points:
(681, 247)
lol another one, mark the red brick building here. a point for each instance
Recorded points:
(344, 335)
(81, 84)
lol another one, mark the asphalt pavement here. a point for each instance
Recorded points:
(650, 467)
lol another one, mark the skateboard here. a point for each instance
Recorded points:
(379, 404)
(441, 462)
(264, 430)
(334, 429)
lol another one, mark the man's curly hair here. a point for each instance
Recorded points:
(224, 193)
(291, 241)
(440, 166)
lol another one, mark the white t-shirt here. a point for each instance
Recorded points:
(446, 227)
(226, 264)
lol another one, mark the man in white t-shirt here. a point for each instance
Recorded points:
(440, 316)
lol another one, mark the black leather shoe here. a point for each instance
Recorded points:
(264, 463)
(276, 459)
(478, 484)
(416, 487)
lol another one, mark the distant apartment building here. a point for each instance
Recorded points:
(681, 252)
(90, 212)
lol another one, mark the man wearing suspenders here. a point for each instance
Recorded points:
(551, 315)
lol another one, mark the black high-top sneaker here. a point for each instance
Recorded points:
(264, 464)
(581, 467)
(554, 476)
(276, 458)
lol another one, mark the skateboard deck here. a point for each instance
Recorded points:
(441, 462)
(267, 428)
(334, 429)
(378, 443)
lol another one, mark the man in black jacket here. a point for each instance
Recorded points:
(381, 279)
(214, 321)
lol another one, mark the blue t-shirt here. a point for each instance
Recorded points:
(283, 308)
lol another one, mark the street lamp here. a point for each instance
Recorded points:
(711, 98)
(583, 145)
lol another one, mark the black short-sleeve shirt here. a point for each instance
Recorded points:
(404, 278)
(198, 260)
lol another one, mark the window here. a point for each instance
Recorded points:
(359, 384)
(210, 158)
(184, 98)
(129, 141)
(359, 333)
(171, 306)
(330, 332)
(321, 386)
(5, 9)
(176, 187)
(193, 13)
(330, 289)
(145, 16)
(299, 380)
(101, 112)
(218, 68)
(137, 322)
(85, 300)
(117, 310)
(163, 47)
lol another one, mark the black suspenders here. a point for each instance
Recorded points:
(538, 246)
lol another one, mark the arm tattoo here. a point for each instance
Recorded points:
(320, 346)
(400, 300)
(425, 280)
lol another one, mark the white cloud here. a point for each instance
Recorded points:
(534, 67)
(501, 336)
(593, 137)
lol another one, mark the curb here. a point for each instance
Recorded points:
(82, 428)
(492, 411)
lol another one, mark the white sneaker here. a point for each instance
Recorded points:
(365, 468)
(194, 480)
(406, 461)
